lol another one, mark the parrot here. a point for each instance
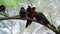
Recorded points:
(2, 9)
(30, 15)
(40, 17)
(22, 13)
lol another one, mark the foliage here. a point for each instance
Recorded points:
(59, 28)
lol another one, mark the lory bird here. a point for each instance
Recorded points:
(2, 9)
(30, 15)
(40, 17)
(22, 13)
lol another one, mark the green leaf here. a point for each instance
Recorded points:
(10, 3)
(59, 28)
(1, 1)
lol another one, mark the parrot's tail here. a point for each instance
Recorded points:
(51, 25)
(28, 23)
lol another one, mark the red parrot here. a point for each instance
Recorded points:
(2, 9)
(32, 12)
(30, 15)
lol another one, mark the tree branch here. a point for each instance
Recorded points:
(6, 18)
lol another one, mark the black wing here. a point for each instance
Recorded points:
(40, 17)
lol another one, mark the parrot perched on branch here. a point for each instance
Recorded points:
(22, 13)
(2, 9)
(28, 21)
(40, 17)
(30, 15)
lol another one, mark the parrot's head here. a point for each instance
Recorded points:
(34, 8)
(22, 7)
(29, 6)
